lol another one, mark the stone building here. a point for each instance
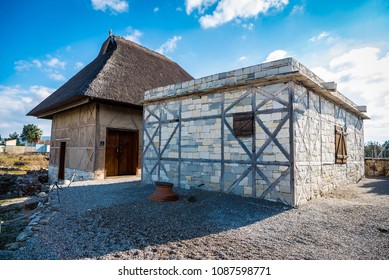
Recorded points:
(274, 131)
(96, 120)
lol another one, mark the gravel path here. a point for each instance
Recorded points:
(116, 221)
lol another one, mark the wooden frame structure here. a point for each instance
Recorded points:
(153, 130)
(195, 135)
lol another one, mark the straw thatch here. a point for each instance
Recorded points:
(121, 73)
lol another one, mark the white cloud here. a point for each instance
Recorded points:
(179, 9)
(227, 10)
(55, 63)
(22, 65)
(116, 6)
(169, 46)
(275, 55)
(200, 5)
(37, 63)
(297, 10)
(133, 35)
(363, 76)
(10, 104)
(320, 37)
(156, 9)
(15, 98)
(249, 26)
(57, 77)
(27, 99)
(16, 102)
(78, 65)
(243, 58)
(6, 90)
(41, 91)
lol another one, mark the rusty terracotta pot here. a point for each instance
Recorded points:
(163, 192)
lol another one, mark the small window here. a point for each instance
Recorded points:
(243, 124)
(340, 145)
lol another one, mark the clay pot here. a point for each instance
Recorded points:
(163, 192)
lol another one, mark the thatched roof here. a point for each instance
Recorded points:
(121, 73)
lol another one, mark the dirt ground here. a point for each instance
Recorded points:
(117, 221)
(20, 164)
(15, 203)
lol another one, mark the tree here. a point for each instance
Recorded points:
(31, 133)
(374, 149)
(14, 136)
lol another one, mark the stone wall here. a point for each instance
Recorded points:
(190, 142)
(18, 149)
(314, 137)
(377, 167)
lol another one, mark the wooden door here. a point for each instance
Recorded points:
(121, 153)
(61, 170)
(111, 161)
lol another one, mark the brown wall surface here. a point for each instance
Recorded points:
(377, 167)
(114, 117)
(76, 127)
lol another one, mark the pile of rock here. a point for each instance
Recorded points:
(33, 183)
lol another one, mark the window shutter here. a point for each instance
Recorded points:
(340, 145)
(243, 124)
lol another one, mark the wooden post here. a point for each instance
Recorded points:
(291, 142)
(222, 168)
(179, 142)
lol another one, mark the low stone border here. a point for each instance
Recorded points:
(46, 209)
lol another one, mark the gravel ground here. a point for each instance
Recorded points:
(116, 221)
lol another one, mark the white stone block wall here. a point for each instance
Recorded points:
(200, 149)
(314, 138)
(290, 160)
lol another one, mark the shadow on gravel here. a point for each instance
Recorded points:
(379, 186)
(131, 221)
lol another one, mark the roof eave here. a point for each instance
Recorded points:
(48, 113)
(297, 76)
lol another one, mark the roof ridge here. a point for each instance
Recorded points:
(144, 48)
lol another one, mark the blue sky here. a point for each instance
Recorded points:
(44, 43)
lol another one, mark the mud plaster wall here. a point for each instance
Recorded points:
(76, 127)
(114, 117)
(314, 139)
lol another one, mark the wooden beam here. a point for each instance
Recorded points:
(331, 86)
(237, 138)
(253, 147)
(271, 111)
(241, 177)
(271, 136)
(179, 141)
(229, 161)
(275, 183)
(260, 173)
(223, 118)
(291, 93)
(151, 139)
(271, 97)
(151, 113)
(237, 101)
(274, 139)
(170, 139)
